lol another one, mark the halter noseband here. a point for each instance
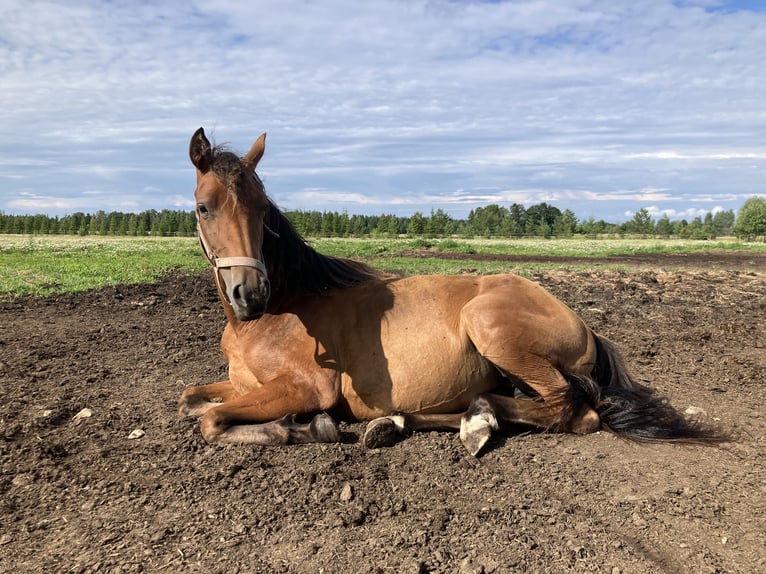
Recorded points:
(219, 263)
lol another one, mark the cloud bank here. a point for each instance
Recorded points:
(387, 106)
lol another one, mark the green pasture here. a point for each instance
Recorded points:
(43, 264)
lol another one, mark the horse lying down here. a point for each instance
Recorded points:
(310, 335)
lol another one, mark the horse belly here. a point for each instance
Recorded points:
(445, 388)
(420, 363)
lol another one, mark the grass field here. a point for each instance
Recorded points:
(42, 265)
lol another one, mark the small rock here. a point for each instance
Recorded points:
(137, 433)
(83, 414)
(347, 493)
(695, 412)
(468, 566)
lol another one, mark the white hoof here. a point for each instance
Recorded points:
(476, 429)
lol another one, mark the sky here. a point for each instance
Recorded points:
(387, 106)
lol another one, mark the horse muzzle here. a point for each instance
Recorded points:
(246, 288)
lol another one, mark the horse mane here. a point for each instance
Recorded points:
(296, 268)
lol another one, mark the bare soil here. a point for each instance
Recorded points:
(78, 494)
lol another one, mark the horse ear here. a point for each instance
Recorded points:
(200, 152)
(256, 153)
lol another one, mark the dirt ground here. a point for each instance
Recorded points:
(78, 494)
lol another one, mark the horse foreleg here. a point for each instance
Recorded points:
(196, 401)
(242, 418)
(322, 428)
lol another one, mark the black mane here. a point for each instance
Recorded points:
(296, 268)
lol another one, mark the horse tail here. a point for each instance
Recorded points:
(633, 411)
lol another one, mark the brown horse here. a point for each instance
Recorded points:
(309, 334)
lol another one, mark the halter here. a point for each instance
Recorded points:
(219, 263)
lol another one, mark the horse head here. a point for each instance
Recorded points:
(231, 204)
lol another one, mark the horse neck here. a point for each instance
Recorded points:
(297, 270)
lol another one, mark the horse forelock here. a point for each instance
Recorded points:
(227, 166)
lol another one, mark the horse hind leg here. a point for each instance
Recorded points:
(388, 430)
(545, 351)
(491, 412)
(475, 425)
(478, 423)
(559, 402)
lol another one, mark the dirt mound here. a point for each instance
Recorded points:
(78, 494)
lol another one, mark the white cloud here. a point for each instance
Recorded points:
(388, 104)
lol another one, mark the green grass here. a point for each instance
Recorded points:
(575, 247)
(433, 265)
(42, 265)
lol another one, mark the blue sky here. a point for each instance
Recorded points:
(602, 107)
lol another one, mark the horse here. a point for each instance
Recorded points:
(312, 339)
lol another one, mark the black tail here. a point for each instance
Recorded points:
(635, 412)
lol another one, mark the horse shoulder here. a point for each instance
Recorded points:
(278, 349)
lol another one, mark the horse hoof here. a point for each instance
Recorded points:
(385, 431)
(325, 429)
(476, 430)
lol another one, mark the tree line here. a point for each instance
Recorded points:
(541, 220)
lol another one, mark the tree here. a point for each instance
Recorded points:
(517, 217)
(708, 229)
(487, 221)
(641, 223)
(664, 228)
(723, 222)
(417, 224)
(439, 223)
(565, 224)
(751, 219)
(540, 219)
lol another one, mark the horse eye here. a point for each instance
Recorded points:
(202, 208)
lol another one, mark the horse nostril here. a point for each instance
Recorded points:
(236, 293)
